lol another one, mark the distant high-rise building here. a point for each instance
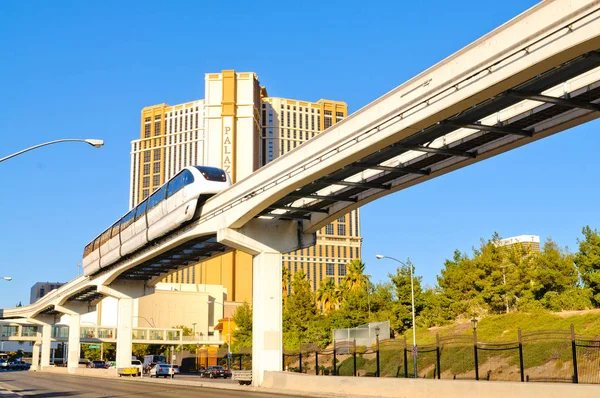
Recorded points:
(286, 124)
(239, 128)
(40, 289)
(528, 242)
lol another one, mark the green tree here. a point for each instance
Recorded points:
(140, 350)
(186, 332)
(243, 332)
(588, 261)
(552, 270)
(299, 311)
(327, 296)
(355, 279)
(457, 284)
(285, 281)
(402, 307)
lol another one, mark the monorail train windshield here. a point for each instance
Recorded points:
(212, 173)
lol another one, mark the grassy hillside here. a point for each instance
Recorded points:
(500, 328)
(546, 357)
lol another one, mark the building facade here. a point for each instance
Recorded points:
(239, 128)
(40, 289)
(528, 243)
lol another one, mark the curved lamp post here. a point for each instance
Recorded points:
(7, 278)
(412, 291)
(93, 142)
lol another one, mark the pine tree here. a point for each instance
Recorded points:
(300, 308)
(402, 308)
(588, 261)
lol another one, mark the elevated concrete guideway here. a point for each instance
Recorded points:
(534, 76)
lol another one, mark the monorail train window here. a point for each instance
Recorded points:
(212, 173)
(88, 249)
(114, 230)
(127, 220)
(181, 180)
(104, 237)
(140, 210)
(157, 196)
(96, 243)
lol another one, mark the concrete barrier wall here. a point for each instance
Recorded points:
(110, 373)
(421, 388)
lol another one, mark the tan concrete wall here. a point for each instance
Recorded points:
(166, 309)
(420, 388)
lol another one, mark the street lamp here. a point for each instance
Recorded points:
(93, 142)
(474, 326)
(7, 278)
(377, 347)
(412, 291)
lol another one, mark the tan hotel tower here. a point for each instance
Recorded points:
(239, 128)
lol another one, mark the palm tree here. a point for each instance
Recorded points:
(285, 280)
(355, 279)
(327, 295)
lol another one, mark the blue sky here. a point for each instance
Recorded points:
(86, 69)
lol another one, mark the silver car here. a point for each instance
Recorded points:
(162, 369)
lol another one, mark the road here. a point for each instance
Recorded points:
(39, 384)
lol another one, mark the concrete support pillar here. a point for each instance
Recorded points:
(46, 344)
(35, 356)
(124, 332)
(125, 292)
(266, 240)
(266, 315)
(74, 338)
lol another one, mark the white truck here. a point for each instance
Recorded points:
(242, 376)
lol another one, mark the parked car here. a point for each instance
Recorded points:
(176, 369)
(162, 369)
(216, 371)
(19, 365)
(96, 364)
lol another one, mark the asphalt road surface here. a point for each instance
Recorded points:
(38, 385)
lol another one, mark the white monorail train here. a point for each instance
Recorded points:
(167, 208)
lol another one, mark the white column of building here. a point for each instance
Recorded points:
(267, 348)
(46, 344)
(74, 345)
(124, 332)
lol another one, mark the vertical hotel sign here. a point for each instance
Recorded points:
(228, 146)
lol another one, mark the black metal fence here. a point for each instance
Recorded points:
(551, 355)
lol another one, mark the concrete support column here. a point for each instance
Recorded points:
(74, 338)
(46, 344)
(35, 356)
(266, 240)
(266, 315)
(124, 332)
